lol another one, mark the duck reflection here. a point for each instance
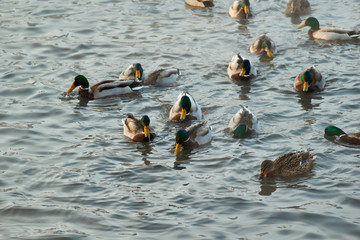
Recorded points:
(267, 187)
(145, 148)
(306, 98)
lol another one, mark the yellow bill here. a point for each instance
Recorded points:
(183, 114)
(243, 71)
(137, 74)
(146, 131)
(246, 9)
(177, 148)
(305, 87)
(269, 53)
(301, 26)
(71, 88)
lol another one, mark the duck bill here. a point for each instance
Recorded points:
(246, 9)
(146, 131)
(305, 87)
(301, 26)
(137, 74)
(269, 53)
(71, 88)
(183, 114)
(177, 148)
(243, 71)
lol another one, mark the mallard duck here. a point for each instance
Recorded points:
(102, 89)
(240, 9)
(332, 131)
(240, 69)
(263, 44)
(185, 108)
(243, 123)
(156, 77)
(297, 7)
(309, 80)
(289, 164)
(193, 136)
(138, 129)
(200, 3)
(327, 33)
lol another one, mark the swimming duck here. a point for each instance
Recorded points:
(332, 131)
(263, 44)
(193, 136)
(240, 69)
(102, 89)
(240, 9)
(138, 129)
(185, 108)
(327, 33)
(243, 123)
(309, 80)
(289, 164)
(297, 7)
(156, 77)
(200, 3)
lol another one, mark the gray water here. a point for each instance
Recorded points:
(67, 171)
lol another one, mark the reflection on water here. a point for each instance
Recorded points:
(305, 100)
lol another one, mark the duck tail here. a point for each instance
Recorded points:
(354, 34)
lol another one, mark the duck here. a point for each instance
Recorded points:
(309, 80)
(157, 77)
(263, 44)
(289, 164)
(341, 136)
(193, 136)
(137, 129)
(200, 3)
(243, 123)
(327, 33)
(240, 9)
(185, 108)
(107, 88)
(297, 7)
(241, 68)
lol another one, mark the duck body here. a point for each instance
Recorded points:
(240, 9)
(243, 123)
(157, 77)
(289, 164)
(162, 77)
(102, 89)
(263, 44)
(136, 129)
(241, 68)
(353, 138)
(327, 33)
(193, 136)
(185, 108)
(200, 3)
(297, 7)
(309, 80)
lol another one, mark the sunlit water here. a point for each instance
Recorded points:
(67, 171)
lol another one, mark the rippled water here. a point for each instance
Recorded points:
(67, 171)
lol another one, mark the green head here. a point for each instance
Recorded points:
(246, 67)
(246, 3)
(79, 80)
(311, 22)
(307, 80)
(82, 81)
(138, 70)
(333, 131)
(185, 106)
(266, 44)
(181, 137)
(145, 122)
(240, 131)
